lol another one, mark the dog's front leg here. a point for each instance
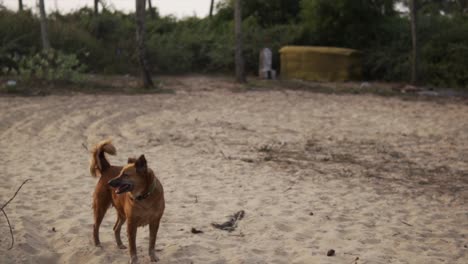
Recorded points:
(153, 233)
(117, 228)
(131, 232)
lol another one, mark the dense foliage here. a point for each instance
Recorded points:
(106, 43)
(48, 65)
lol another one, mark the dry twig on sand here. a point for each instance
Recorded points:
(6, 216)
(84, 146)
(406, 223)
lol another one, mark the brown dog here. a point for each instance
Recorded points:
(133, 190)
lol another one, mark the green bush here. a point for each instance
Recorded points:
(19, 34)
(200, 45)
(106, 43)
(388, 56)
(343, 23)
(444, 49)
(50, 65)
(180, 47)
(71, 39)
(266, 12)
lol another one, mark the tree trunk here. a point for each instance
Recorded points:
(20, 2)
(151, 9)
(96, 7)
(211, 8)
(140, 38)
(414, 36)
(240, 71)
(43, 20)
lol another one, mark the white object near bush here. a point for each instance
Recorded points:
(265, 70)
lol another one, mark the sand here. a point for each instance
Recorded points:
(376, 178)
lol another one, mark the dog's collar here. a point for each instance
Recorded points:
(148, 193)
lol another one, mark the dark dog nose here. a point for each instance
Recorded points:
(114, 182)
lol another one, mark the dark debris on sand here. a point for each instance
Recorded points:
(231, 224)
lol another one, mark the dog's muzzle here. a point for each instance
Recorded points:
(120, 186)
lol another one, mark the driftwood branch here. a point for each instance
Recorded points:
(6, 216)
(11, 199)
(11, 230)
(406, 223)
(84, 146)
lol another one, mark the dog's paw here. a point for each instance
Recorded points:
(152, 255)
(122, 246)
(134, 260)
(154, 258)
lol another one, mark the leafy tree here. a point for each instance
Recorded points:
(350, 23)
(440, 7)
(266, 12)
(271, 12)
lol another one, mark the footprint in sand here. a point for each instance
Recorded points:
(371, 241)
(258, 251)
(23, 207)
(280, 252)
(55, 168)
(27, 248)
(75, 230)
(284, 227)
(210, 204)
(82, 220)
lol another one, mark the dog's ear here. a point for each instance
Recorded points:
(140, 164)
(131, 160)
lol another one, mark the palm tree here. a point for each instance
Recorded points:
(240, 71)
(43, 20)
(413, 4)
(140, 38)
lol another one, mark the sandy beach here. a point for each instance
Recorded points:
(377, 179)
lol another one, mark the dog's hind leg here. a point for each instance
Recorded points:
(117, 227)
(102, 201)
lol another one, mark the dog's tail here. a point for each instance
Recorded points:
(99, 163)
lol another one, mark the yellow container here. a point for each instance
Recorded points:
(325, 64)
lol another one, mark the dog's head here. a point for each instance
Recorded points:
(132, 178)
